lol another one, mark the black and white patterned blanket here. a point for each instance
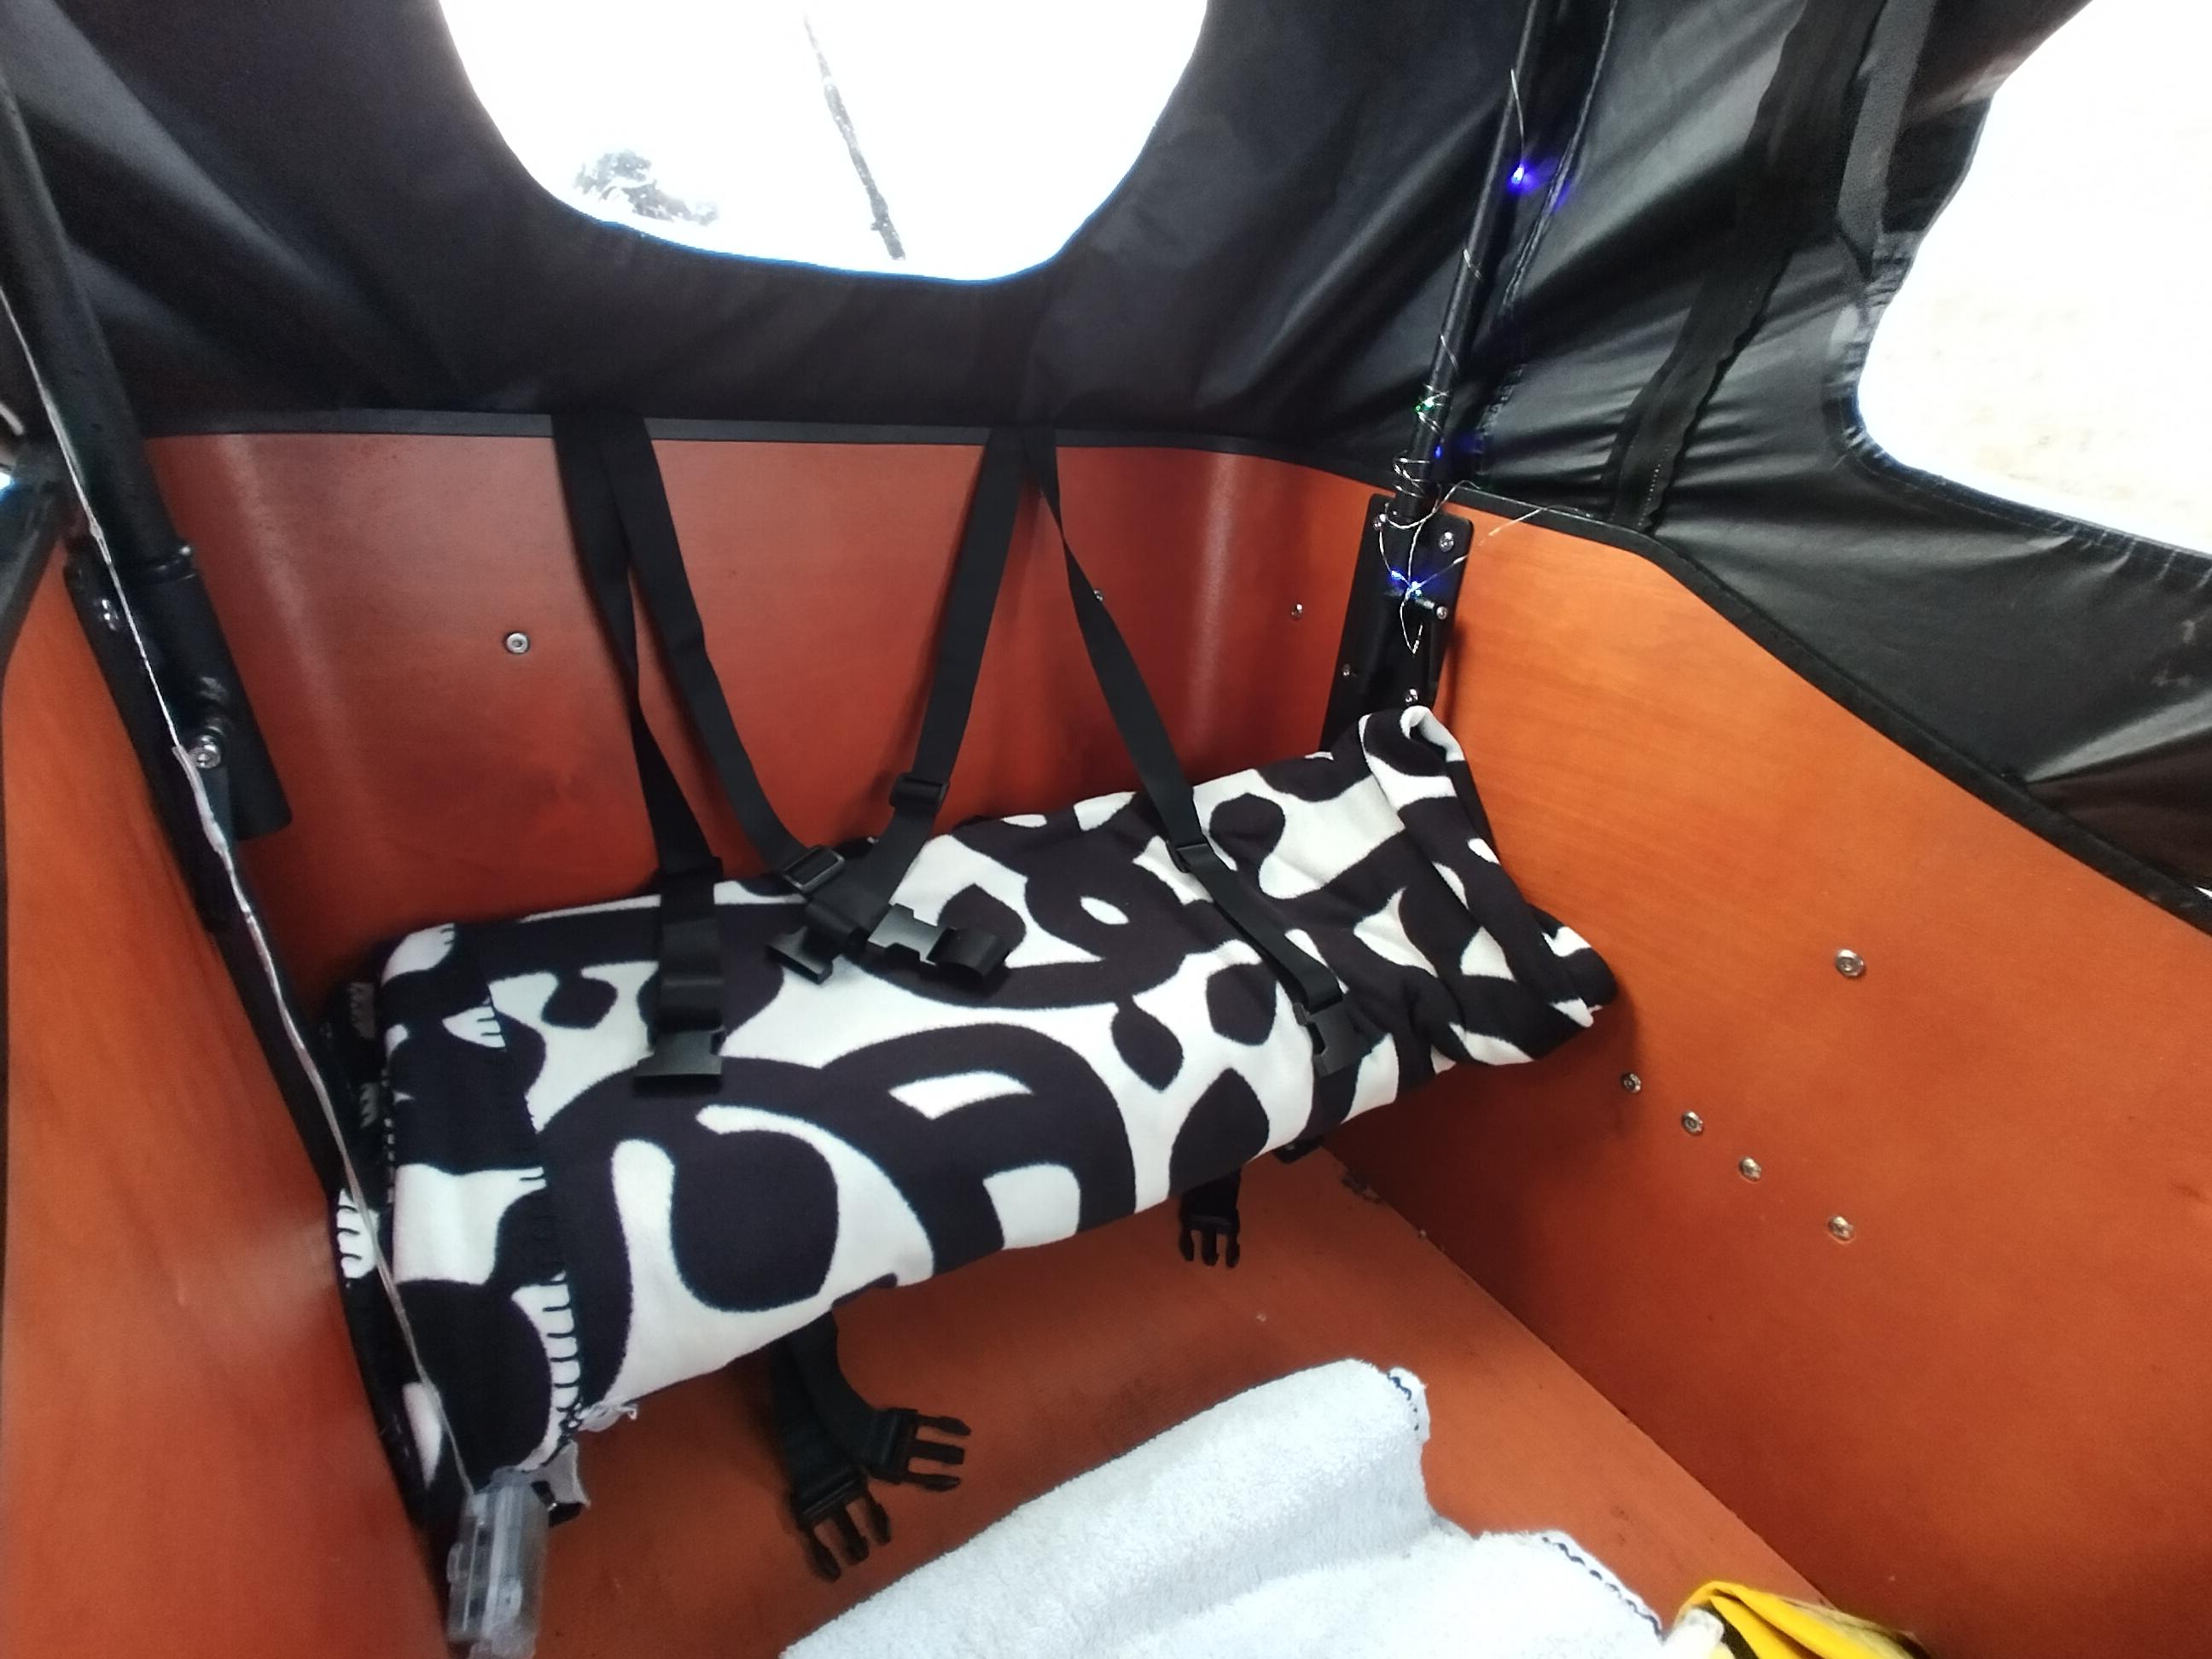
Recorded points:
(566, 1242)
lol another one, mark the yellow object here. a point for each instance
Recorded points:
(1771, 1626)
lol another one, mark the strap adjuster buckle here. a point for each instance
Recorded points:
(812, 868)
(1195, 858)
(1340, 1036)
(912, 792)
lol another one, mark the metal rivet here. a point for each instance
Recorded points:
(1849, 964)
(1344, 672)
(110, 617)
(1412, 696)
(206, 753)
(1449, 540)
(1748, 1169)
(1377, 521)
(1633, 1082)
(1692, 1124)
(1442, 612)
(517, 642)
(1297, 612)
(1841, 1229)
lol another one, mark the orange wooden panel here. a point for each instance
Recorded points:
(186, 1464)
(367, 581)
(1985, 1416)
(1063, 1357)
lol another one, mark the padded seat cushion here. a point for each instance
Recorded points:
(567, 1240)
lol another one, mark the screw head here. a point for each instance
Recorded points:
(517, 643)
(1749, 1169)
(1297, 612)
(110, 617)
(1442, 612)
(206, 752)
(1633, 1082)
(1344, 672)
(1377, 520)
(1849, 964)
(1412, 697)
(1840, 1228)
(1449, 540)
(1692, 1124)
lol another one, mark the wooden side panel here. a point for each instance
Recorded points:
(1985, 1416)
(186, 1464)
(1063, 1357)
(366, 583)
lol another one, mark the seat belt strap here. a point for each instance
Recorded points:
(856, 908)
(685, 1022)
(649, 533)
(1339, 1037)
(595, 523)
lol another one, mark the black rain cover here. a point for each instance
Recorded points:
(305, 208)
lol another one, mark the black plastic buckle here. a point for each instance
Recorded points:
(810, 869)
(803, 948)
(683, 1057)
(1210, 1223)
(1340, 1036)
(894, 1446)
(1195, 858)
(830, 1498)
(911, 793)
(974, 952)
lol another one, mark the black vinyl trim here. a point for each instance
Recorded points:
(2169, 892)
(437, 423)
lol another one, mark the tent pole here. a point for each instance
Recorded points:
(100, 441)
(1372, 671)
(1416, 470)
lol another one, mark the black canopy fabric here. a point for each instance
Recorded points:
(306, 208)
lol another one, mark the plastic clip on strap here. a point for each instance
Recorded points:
(1339, 1036)
(853, 908)
(1210, 1222)
(827, 1485)
(885, 1441)
(832, 1442)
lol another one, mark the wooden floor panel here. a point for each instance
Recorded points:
(1065, 1356)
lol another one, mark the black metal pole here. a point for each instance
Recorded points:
(1416, 470)
(1368, 674)
(99, 438)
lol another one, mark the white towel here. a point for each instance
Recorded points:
(1290, 1520)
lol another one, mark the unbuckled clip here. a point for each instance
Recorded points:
(1209, 1221)
(1340, 1036)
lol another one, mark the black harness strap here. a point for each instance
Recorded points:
(856, 909)
(649, 532)
(1339, 1037)
(1792, 163)
(686, 1023)
(618, 513)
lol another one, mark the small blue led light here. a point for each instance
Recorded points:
(1527, 176)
